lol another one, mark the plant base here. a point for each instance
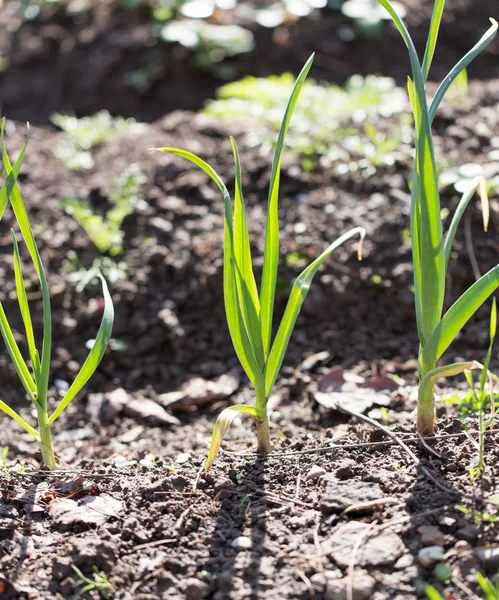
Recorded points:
(46, 447)
(426, 418)
(263, 435)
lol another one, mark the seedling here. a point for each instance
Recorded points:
(341, 123)
(105, 230)
(481, 397)
(430, 249)
(87, 133)
(36, 381)
(99, 583)
(249, 312)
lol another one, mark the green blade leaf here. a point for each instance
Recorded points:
(426, 223)
(95, 356)
(25, 227)
(457, 316)
(16, 356)
(10, 178)
(235, 322)
(432, 36)
(271, 253)
(298, 294)
(24, 308)
(223, 423)
(492, 337)
(245, 280)
(456, 218)
(428, 381)
(484, 41)
(18, 419)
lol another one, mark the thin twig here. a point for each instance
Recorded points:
(427, 447)
(254, 454)
(154, 544)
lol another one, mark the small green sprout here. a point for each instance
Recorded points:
(249, 312)
(431, 250)
(491, 590)
(36, 382)
(105, 230)
(481, 397)
(99, 583)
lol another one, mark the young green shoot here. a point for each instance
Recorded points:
(36, 380)
(431, 249)
(481, 397)
(249, 311)
(100, 583)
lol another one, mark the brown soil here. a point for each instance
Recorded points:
(173, 535)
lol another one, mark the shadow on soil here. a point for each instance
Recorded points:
(242, 517)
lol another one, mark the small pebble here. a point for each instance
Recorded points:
(446, 521)
(195, 589)
(431, 535)
(242, 543)
(430, 556)
(315, 472)
(468, 533)
(488, 557)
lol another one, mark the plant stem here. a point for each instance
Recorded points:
(263, 435)
(426, 408)
(262, 422)
(46, 441)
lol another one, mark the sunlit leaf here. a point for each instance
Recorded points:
(95, 356)
(223, 423)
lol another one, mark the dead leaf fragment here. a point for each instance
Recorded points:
(91, 510)
(354, 392)
(198, 391)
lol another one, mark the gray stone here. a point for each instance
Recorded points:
(242, 543)
(488, 557)
(430, 556)
(315, 472)
(339, 494)
(376, 548)
(195, 589)
(431, 535)
(362, 587)
(468, 533)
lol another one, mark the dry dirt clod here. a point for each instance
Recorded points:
(339, 494)
(378, 548)
(362, 587)
(431, 535)
(315, 473)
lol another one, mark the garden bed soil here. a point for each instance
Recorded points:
(60, 62)
(173, 534)
(164, 529)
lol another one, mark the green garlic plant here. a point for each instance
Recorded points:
(36, 381)
(249, 312)
(431, 250)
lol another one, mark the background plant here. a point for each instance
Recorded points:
(249, 312)
(341, 123)
(105, 230)
(36, 379)
(87, 133)
(430, 249)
